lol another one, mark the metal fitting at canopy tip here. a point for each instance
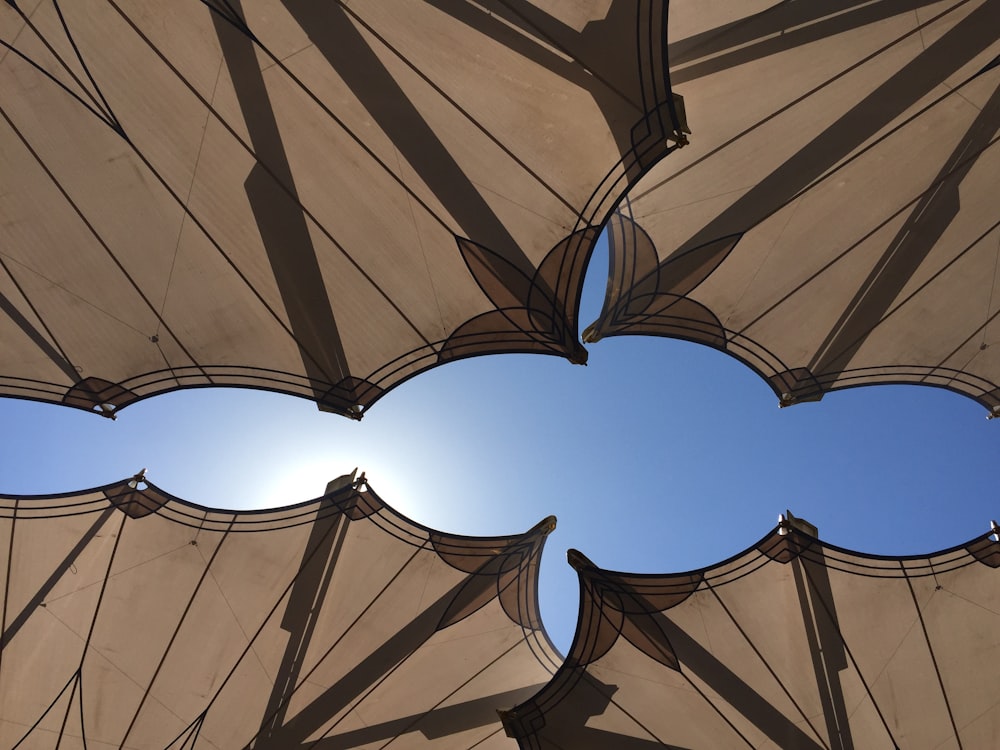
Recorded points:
(137, 479)
(106, 410)
(788, 522)
(681, 132)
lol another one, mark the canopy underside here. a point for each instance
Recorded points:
(834, 221)
(132, 619)
(317, 200)
(791, 645)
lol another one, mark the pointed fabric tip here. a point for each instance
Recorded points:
(579, 561)
(546, 526)
(591, 335)
(579, 355)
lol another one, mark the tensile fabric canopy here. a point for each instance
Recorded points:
(793, 644)
(320, 199)
(834, 221)
(132, 619)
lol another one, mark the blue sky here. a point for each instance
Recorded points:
(658, 456)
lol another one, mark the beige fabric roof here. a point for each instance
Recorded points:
(319, 199)
(834, 221)
(792, 645)
(134, 620)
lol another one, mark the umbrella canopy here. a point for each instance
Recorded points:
(319, 199)
(133, 619)
(793, 644)
(834, 221)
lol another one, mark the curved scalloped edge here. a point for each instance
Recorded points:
(511, 560)
(349, 398)
(644, 307)
(536, 315)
